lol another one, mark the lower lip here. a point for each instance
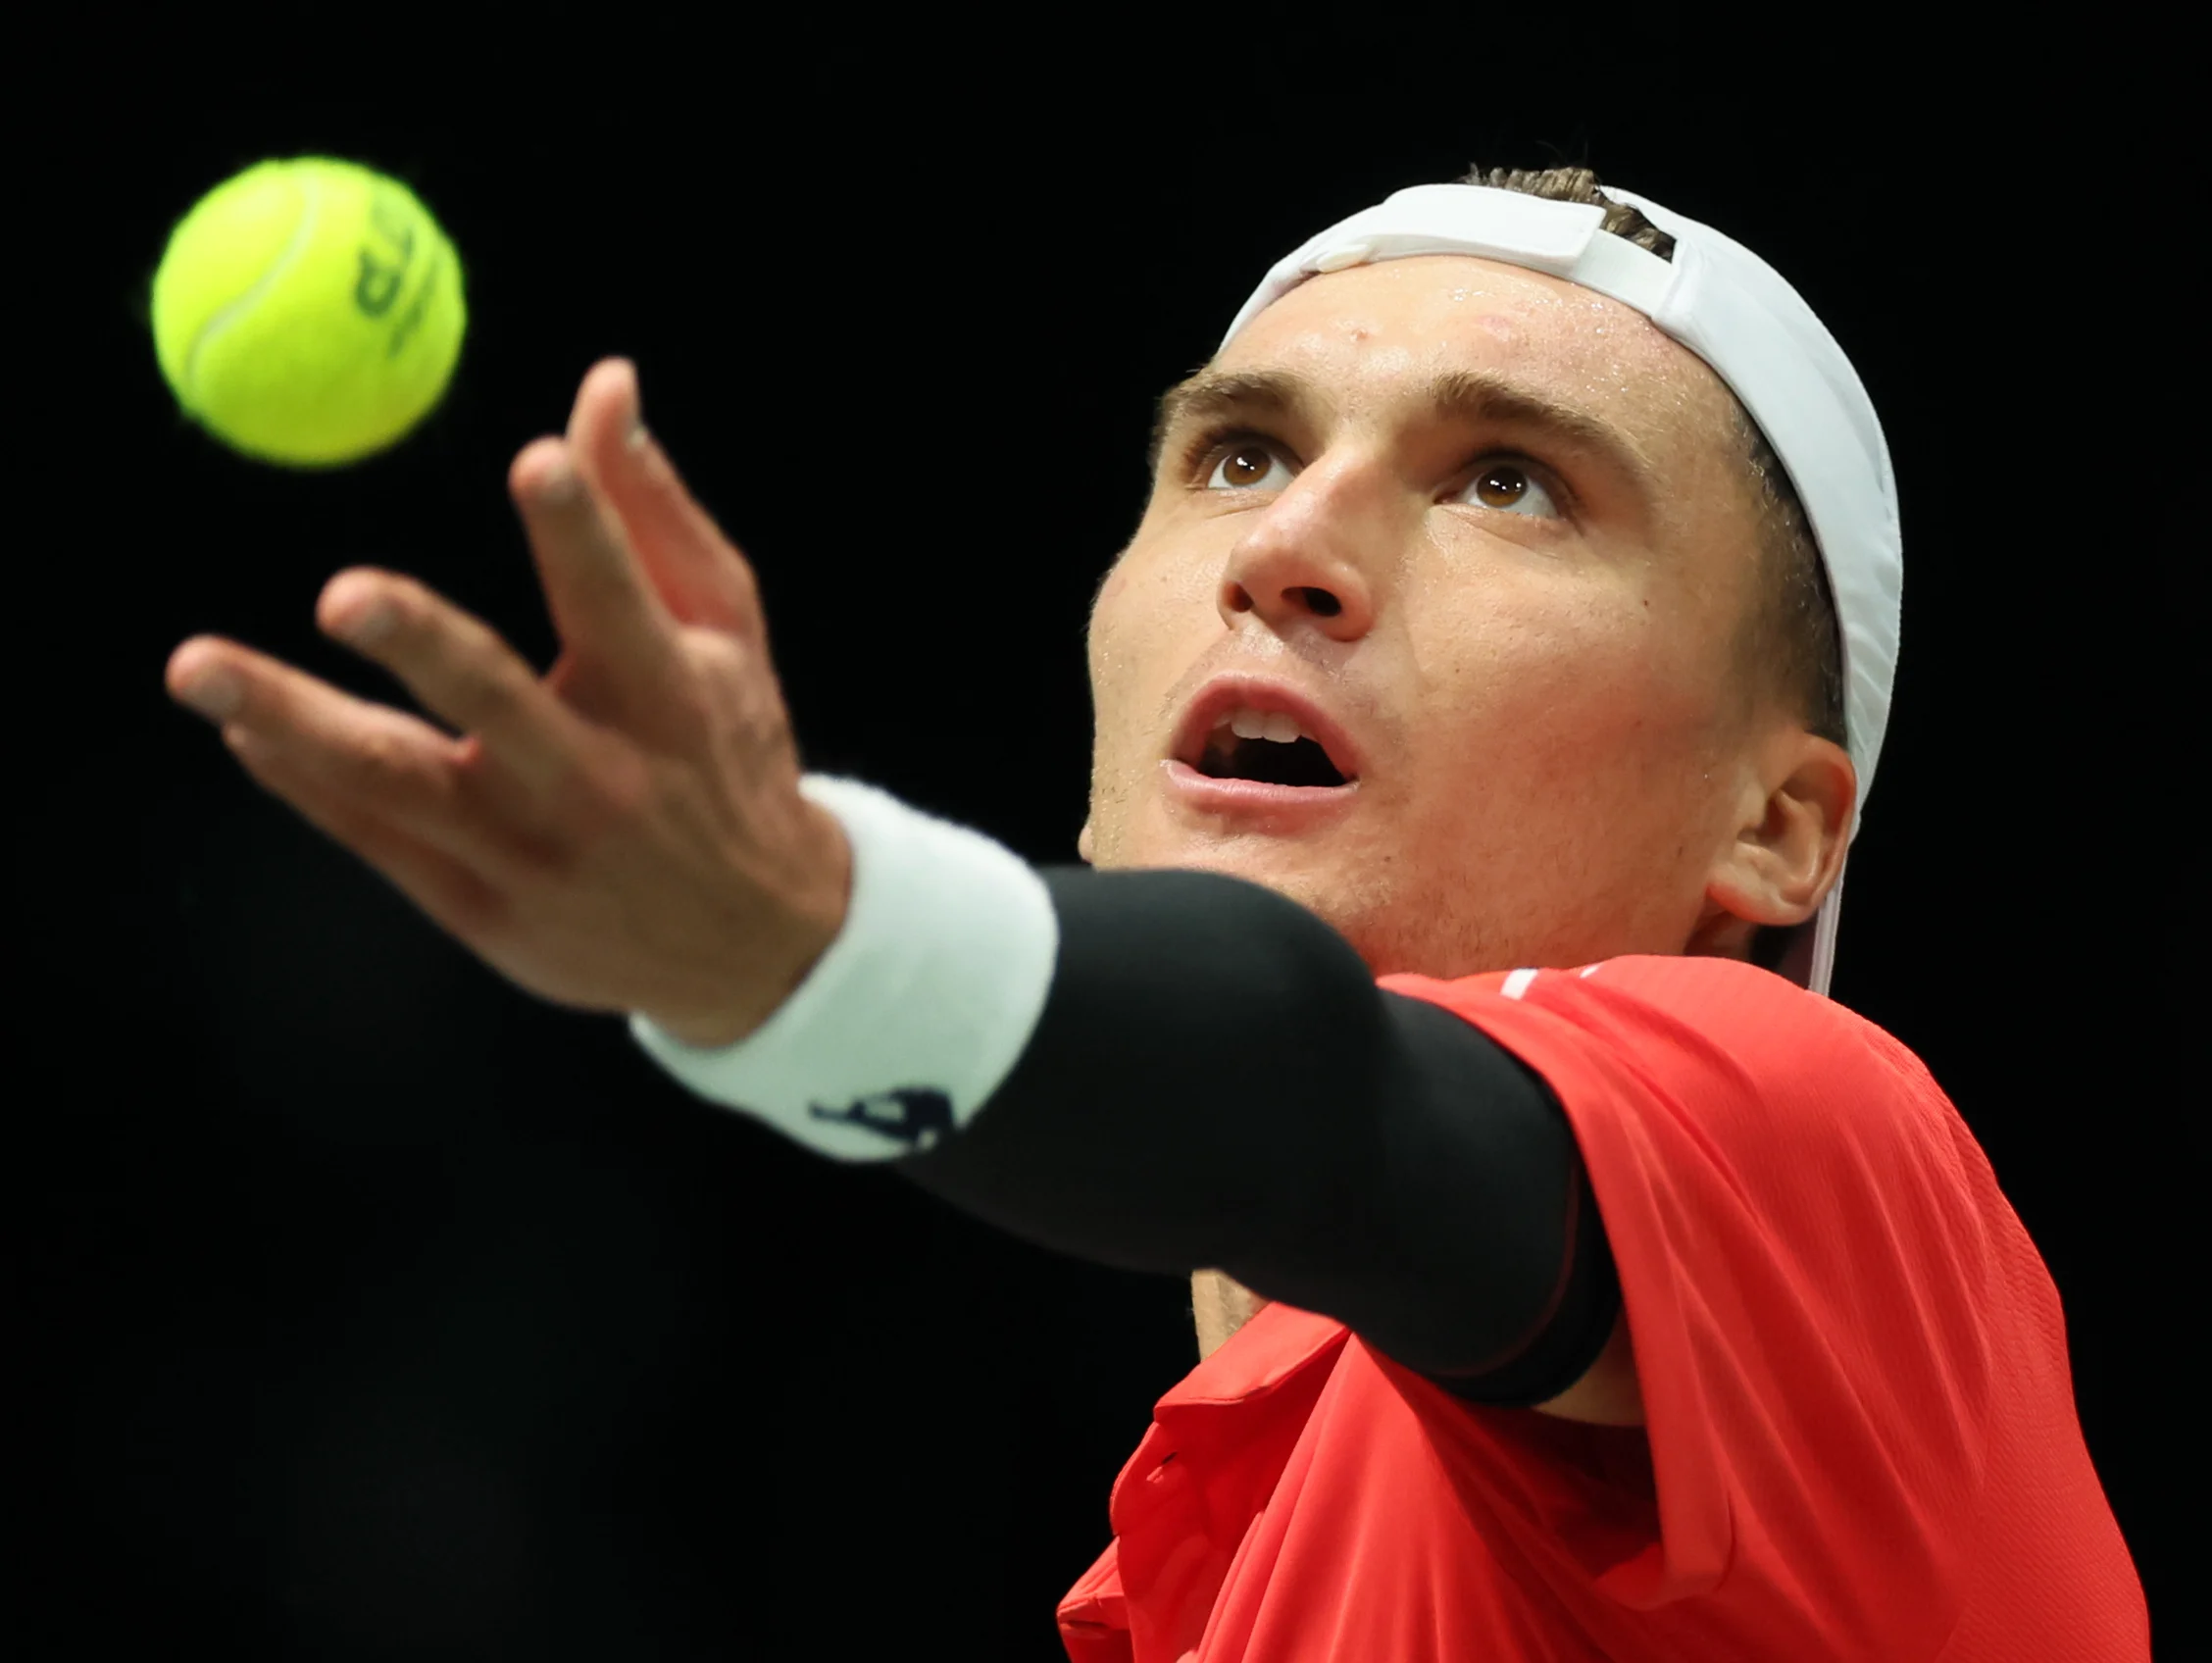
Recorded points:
(1255, 799)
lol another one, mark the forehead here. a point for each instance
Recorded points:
(1375, 335)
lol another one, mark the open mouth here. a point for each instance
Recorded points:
(1235, 752)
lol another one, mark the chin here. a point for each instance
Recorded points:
(1292, 867)
(1392, 930)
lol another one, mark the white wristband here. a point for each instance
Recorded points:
(922, 1005)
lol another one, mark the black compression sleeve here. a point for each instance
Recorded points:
(1216, 1082)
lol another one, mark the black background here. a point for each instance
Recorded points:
(380, 1311)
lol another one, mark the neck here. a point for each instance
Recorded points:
(1219, 1307)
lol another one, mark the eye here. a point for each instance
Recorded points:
(1507, 484)
(1248, 465)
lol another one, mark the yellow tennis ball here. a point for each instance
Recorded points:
(308, 312)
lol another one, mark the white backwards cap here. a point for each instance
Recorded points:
(1734, 311)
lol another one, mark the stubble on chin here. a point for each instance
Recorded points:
(1392, 924)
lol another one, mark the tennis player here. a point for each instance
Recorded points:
(1483, 709)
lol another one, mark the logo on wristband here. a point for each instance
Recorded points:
(914, 1115)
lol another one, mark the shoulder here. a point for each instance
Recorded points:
(1674, 1061)
(1715, 989)
(1698, 1013)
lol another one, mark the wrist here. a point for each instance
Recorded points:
(900, 1028)
(817, 904)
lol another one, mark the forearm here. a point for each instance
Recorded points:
(1170, 1071)
(1217, 1081)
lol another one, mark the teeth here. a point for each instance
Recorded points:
(1257, 725)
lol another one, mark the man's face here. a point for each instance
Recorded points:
(1522, 625)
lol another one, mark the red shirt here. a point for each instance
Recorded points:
(1860, 1438)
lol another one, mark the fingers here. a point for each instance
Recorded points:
(444, 885)
(456, 666)
(381, 773)
(604, 607)
(699, 573)
(523, 743)
(360, 765)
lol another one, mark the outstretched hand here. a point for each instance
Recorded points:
(626, 833)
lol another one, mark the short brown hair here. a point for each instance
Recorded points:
(1790, 641)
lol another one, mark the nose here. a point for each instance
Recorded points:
(1297, 567)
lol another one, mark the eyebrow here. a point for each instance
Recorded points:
(1469, 397)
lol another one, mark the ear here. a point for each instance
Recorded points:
(1084, 845)
(1790, 840)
